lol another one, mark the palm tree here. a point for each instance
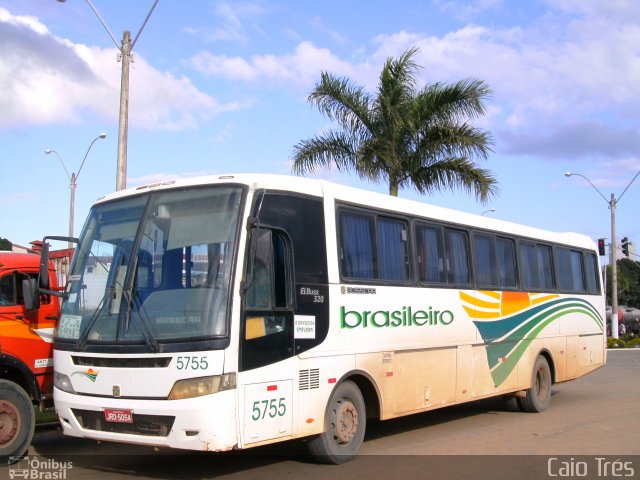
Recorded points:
(403, 136)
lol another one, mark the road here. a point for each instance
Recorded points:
(592, 423)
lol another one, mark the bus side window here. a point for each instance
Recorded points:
(506, 260)
(431, 258)
(536, 266)
(485, 261)
(268, 284)
(268, 316)
(570, 270)
(260, 292)
(393, 249)
(593, 277)
(457, 254)
(357, 255)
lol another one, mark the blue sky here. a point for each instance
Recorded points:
(220, 87)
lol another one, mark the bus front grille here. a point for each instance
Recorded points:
(147, 425)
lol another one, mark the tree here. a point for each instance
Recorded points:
(404, 136)
(5, 244)
(628, 283)
(629, 289)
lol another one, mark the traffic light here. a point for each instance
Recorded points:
(601, 244)
(625, 246)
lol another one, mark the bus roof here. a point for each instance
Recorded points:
(342, 193)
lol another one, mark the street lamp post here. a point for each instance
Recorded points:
(613, 253)
(125, 49)
(487, 211)
(73, 177)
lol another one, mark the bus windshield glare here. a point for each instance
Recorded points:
(154, 268)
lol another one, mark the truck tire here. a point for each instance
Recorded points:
(345, 423)
(538, 397)
(17, 421)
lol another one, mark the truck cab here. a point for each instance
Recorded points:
(27, 321)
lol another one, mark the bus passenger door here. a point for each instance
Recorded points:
(266, 345)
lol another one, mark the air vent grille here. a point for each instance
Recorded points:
(309, 379)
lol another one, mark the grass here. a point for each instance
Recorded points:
(47, 417)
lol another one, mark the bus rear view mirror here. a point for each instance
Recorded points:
(44, 286)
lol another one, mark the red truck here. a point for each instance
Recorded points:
(27, 322)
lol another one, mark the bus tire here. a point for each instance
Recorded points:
(345, 423)
(17, 421)
(538, 397)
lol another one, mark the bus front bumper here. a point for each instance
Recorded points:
(205, 423)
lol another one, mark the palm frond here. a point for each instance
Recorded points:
(404, 136)
(454, 173)
(339, 100)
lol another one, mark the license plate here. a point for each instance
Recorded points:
(118, 416)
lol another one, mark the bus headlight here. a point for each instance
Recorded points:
(196, 387)
(63, 382)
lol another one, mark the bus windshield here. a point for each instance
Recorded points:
(154, 268)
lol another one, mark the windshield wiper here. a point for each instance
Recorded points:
(108, 294)
(82, 340)
(149, 339)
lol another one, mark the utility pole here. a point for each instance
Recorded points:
(73, 178)
(614, 270)
(125, 56)
(123, 131)
(614, 256)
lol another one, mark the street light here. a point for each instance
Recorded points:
(123, 122)
(73, 177)
(614, 269)
(487, 211)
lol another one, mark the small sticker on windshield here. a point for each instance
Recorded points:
(69, 326)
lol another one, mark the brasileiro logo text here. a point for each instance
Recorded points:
(405, 317)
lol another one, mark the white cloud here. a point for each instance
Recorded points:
(234, 22)
(300, 69)
(47, 80)
(16, 199)
(560, 69)
(551, 75)
(585, 139)
(466, 9)
(23, 20)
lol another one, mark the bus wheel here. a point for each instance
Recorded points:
(345, 423)
(538, 396)
(17, 421)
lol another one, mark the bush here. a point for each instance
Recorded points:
(633, 343)
(627, 342)
(616, 343)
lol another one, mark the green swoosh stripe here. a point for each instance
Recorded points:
(514, 344)
(495, 329)
(499, 349)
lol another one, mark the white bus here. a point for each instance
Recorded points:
(227, 312)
